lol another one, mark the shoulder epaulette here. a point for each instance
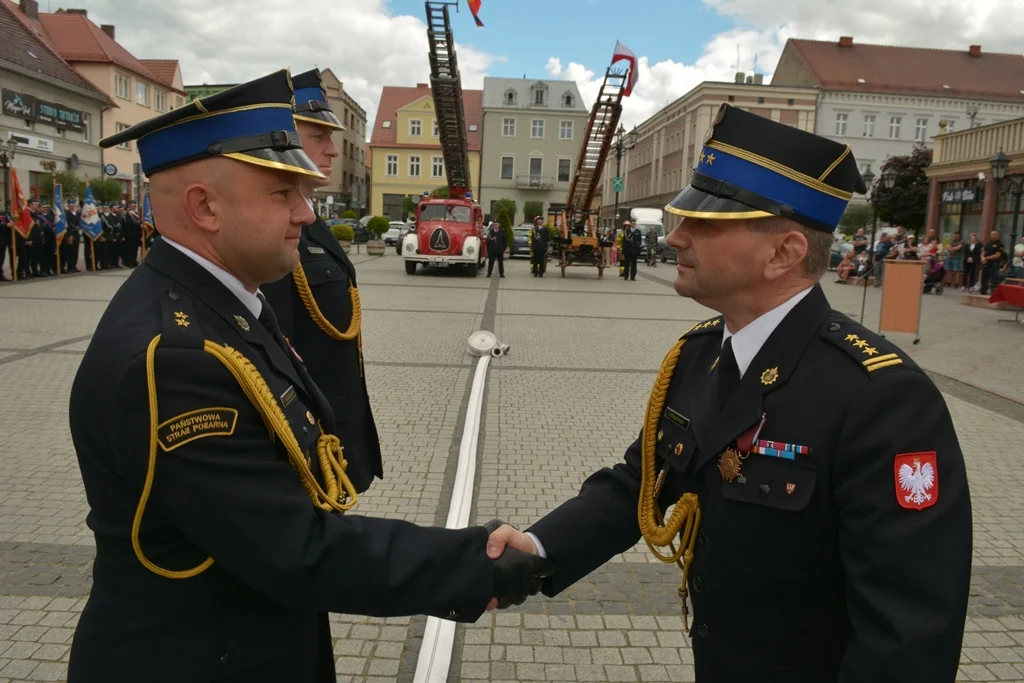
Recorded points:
(712, 325)
(871, 351)
(179, 323)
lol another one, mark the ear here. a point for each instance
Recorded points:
(200, 207)
(789, 249)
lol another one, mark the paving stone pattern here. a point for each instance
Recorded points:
(565, 402)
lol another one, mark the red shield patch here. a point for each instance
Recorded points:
(917, 480)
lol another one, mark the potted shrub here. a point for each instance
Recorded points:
(344, 234)
(378, 225)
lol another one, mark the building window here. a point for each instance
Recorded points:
(85, 128)
(436, 133)
(415, 128)
(127, 143)
(385, 124)
(760, 100)
(510, 96)
(563, 170)
(436, 167)
(568, 100)
(414, 167)
(841, 123)
(160, 100)
(539, 95)
(790, 101)
(921, 130)
(122, 86)
(392, 166)
(536, 168)
(565, 130)
(537, 128)
(141, 93)
(508, 128)
(869, 125)
(894, 127)
(507, 166)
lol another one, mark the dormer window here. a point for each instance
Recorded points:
(510, 96)
(567, 100)
(539, 95)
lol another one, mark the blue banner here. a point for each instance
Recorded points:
(147, 213)
(90, 219)
(60, 221)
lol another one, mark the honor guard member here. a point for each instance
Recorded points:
(538, 247)
(217, 493)
(318, 302)
(821, 515)
(72, 242)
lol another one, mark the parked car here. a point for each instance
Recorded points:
(395, 233)
(520, 241)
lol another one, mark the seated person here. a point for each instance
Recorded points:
(846, 267)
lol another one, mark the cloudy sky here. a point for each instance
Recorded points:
(372, 43)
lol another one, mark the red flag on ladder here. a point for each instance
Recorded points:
(474, 7)
(623, 52)
(22, 219)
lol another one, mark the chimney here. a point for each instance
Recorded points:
(30, 8)
(109, 30)
(83, 12)
(750, 80)
(975, 51)
(422, 85)
(758, 79)
(739, 76)
(845, 41)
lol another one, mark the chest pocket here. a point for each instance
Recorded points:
(320, 271)
(676, 445)
(775, 483)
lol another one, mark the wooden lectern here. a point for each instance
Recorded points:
(902, 290)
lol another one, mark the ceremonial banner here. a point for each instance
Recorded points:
(623, 52)
(90, 219)
(147, 214)
(21, 218)
(60, 221)
(474, 8)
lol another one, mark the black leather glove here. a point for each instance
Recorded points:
(519, 575)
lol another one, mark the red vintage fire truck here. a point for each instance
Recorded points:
(449, 232)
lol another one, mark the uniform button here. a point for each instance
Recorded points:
(173, 296)
(698, 584)
(224, 658)
(305, 430)
(453, 614)
(705, 490)
(702, 537)
(703, 631)
(833, 327)
(763, 490)
(328, 273)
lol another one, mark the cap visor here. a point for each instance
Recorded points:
(694, 203)
(289, 160)
(323, 118)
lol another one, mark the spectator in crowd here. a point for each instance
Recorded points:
(972, 261)
(1018, 259)
(846, 267)
(860, 242)
(954, 260)
(993, 254)
(882, 250)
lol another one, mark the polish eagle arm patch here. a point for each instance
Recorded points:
(899, 487)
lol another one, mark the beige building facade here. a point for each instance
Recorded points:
(667, 144)
(348, 183)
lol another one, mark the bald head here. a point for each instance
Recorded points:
(245, 218)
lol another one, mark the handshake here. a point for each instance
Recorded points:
(519, 569)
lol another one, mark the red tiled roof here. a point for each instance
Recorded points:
(394, 98)
(912, 70)
(22, 35)
(163, 69)
(80, 40)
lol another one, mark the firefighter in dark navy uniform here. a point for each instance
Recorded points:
(219, 501)
(821, 511)
(318, 302)
(538, 247)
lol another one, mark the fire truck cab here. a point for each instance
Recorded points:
(449, 232)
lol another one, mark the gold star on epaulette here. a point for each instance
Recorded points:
(861, 343)
(703, 157)
(711, 159)
(181, 318)
(852, 337)
(871, 350)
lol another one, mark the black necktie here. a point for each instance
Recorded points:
(728, 374)
(269, 320)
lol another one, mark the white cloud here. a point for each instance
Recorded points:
(554, 67)
(359, 40)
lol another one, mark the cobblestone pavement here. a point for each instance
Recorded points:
(566, 401)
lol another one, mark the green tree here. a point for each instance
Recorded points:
(409, 206)
(531, 209)
(506, 224)
(509, 206)
(378, 225)
(906, 203)
(105, 190)
(857, 215)
(349, 214)
(72, 186)
(440, 193)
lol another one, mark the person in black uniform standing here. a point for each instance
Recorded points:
(218, 495)
(821, 505)
(318, 302)
(993, 256)
(497, 242)
(631, 240)
(538, 247)
(131, 235)
(72, 241)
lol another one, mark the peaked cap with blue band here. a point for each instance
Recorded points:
(311, 103)
(753, 167)
(251, 122)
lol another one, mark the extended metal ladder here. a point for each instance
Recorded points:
(604, 118)
(446, 87)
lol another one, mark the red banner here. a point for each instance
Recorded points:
(21, 218)
(474, 7)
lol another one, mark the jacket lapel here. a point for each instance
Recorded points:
(768, 371)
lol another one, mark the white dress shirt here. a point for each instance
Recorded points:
(249, 299)
(745, 345)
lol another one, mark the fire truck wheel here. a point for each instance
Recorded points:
(472, 269)
(410, 267)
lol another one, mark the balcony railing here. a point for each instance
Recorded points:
(534, 182)
(980, 143)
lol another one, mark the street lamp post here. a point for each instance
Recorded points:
(6, 161)
(888, 181)
(623, 143)
(1013, 184)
